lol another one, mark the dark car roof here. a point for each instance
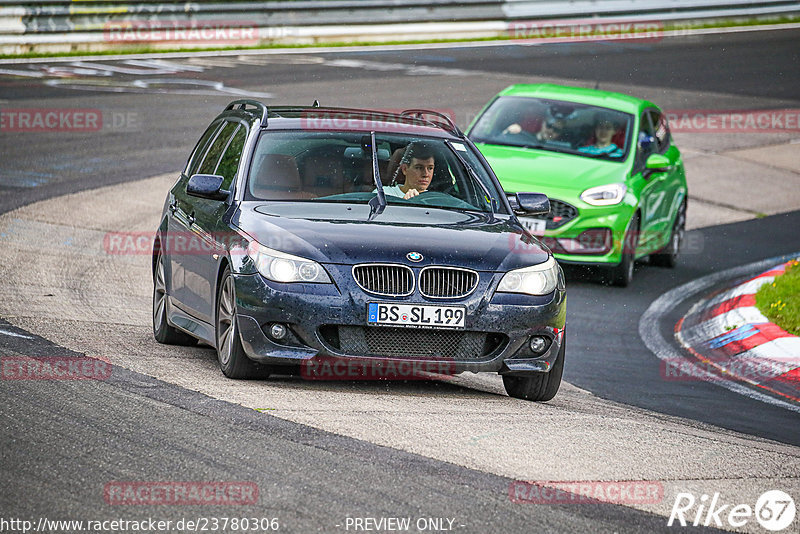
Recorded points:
(316, 118)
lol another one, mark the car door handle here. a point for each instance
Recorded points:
(191, 218)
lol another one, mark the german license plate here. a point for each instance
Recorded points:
(416, 315)
(534, 226)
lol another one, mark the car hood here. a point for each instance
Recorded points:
(341, 233)
(527, 169)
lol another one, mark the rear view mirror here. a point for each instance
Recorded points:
(206, 186)
(530, 204)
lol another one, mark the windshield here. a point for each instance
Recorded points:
(555, 125)
(338, 167)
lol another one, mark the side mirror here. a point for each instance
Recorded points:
(530, 204)
(206, 186)
(657, 163)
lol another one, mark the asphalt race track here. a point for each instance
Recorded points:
(320, 453)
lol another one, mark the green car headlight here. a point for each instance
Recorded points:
(285, 268)
(539, 279)
(604, 195)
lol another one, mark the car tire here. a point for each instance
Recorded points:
(233, 361)
(668, 256)
(621, 274)
(162, 330)
(538, 387)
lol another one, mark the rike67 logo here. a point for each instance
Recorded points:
(774, 510)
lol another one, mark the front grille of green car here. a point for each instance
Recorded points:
(560, 214)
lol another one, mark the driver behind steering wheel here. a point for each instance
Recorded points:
(416, 168)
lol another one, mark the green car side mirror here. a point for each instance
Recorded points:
(658, 162)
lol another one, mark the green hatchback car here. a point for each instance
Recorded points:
(607, 161)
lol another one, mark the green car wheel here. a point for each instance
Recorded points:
(668, 256)
(621, 275)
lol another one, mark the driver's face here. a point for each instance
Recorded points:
(419, 173)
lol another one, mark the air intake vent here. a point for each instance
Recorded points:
(447, 282)
(560, 214)
(402, 343)
(385, 279)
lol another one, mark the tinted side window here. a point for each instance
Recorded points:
(200, 149)
(229, 163)
(211, 159)
(661, 130)
(643, 147)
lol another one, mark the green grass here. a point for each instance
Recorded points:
(676, 26)
(780, 300)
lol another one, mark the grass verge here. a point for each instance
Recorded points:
(780, 300)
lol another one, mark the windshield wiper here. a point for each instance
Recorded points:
(474, 176)
(377, 203)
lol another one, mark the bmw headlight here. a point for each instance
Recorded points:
(281, 267)
(604, 195)
(539, 279)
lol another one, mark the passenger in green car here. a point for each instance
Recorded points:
(605, 128)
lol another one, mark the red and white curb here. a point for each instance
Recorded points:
(726, 332)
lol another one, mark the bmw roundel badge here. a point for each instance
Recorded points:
(414, 256)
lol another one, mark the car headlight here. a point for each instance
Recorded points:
(604, 195)
(539, 279)
(281, 267)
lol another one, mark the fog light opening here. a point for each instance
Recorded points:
(277, 331)
(538, 345)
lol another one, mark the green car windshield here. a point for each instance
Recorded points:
(329, 166)
(555, 125)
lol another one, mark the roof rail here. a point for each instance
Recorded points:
(419, 114)
(242, 105)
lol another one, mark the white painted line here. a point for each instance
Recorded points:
(13, 334)
(175, 86)
(782, 349)
(650, 331)
(748, 288)
(26, 73)
(161, 64)
(363, 48)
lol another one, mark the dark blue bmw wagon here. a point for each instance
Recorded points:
(301, 235)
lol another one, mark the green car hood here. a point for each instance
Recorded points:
(526, 169)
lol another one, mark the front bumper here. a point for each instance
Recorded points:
(329, 321)
(580, 230)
